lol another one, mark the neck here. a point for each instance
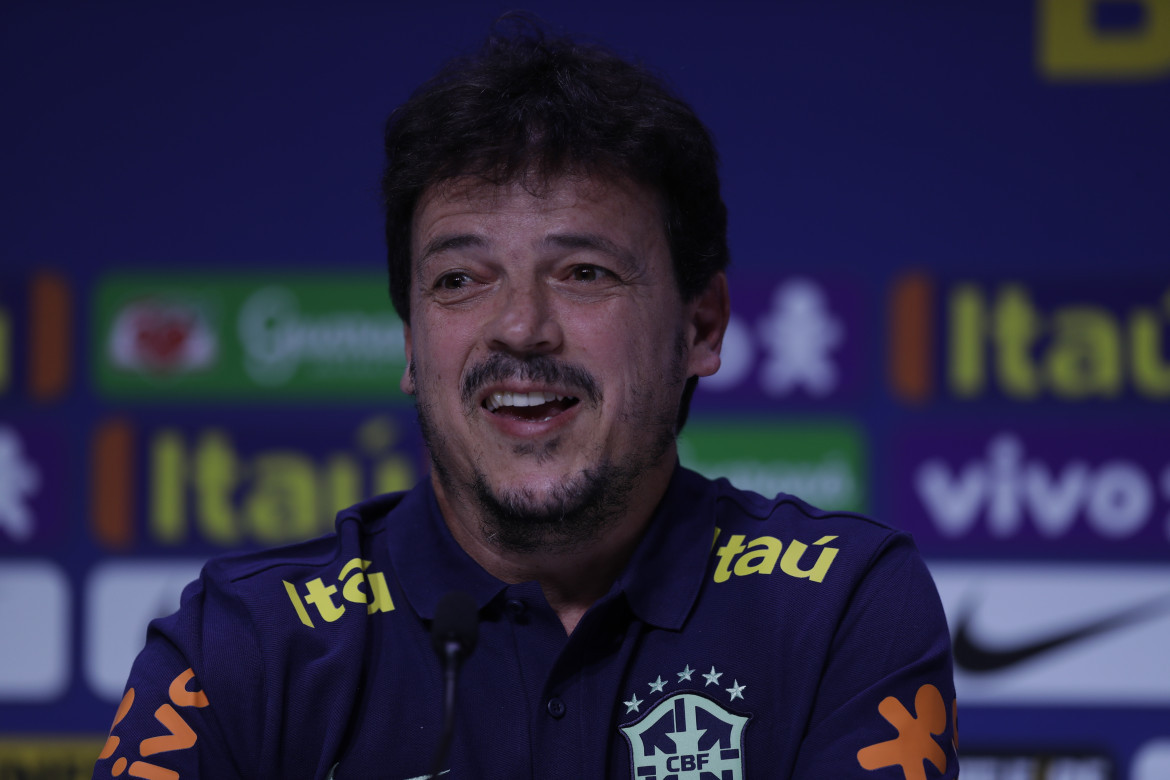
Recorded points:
(572, 577)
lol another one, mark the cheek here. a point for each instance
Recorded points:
(440, 358)
(640, 349)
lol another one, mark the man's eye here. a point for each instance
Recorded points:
(452, 281)
(588, 273)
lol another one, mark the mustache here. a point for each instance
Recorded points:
(499, 367)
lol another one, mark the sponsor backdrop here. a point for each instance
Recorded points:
(952, 311)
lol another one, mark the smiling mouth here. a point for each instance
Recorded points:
(531, 407)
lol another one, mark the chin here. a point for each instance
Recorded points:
(556, 514)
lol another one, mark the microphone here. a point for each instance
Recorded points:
(453, 636)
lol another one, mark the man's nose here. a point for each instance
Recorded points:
(526, 321)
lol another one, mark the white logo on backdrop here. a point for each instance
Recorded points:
(122, 597)
(1008, 488)
(797, 336)
(36, 642)
(1152, 760)
(19, 481)
(163, 337)
(1035, 633)
(800, 333)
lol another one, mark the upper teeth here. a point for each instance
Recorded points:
(520, 399)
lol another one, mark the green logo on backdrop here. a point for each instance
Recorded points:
(822, 464)
(220, 336)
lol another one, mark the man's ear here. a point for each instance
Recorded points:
(707, 323)
(407, 381)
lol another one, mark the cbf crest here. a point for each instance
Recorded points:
(687, 736)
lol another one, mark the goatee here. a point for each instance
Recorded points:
(568, 516)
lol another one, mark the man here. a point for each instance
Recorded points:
(556, 249)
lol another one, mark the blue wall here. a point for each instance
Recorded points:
(972, 198)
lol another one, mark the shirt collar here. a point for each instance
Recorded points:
(661, 581)
(428, 562)
(666, 571)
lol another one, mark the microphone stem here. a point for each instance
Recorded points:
(451, 653)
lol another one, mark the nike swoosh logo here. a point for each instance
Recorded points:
(972, 655)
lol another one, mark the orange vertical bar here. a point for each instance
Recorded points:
(112, 486)
(50, 354)
(911, 341)
(5, 351)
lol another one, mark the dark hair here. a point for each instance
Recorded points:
(530, 107)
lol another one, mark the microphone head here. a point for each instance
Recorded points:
(456, 621)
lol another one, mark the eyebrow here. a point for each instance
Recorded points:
(457, 241)
(591, 241)
(449, 243)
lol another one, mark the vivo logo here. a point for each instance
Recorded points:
(1008, 492)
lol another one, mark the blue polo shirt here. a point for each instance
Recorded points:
(747, 637)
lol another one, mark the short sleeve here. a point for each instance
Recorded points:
(171, 724)
(886, 707)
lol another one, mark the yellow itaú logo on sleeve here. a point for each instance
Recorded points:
(760, 556)
(358, 586)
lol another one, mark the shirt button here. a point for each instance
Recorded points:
(556, 707)
(515, 607)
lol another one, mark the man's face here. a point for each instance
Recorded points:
(548, 349)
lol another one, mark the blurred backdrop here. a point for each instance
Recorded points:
(950, 226)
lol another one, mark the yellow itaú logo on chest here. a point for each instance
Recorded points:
(760, 556)
(358, 586)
